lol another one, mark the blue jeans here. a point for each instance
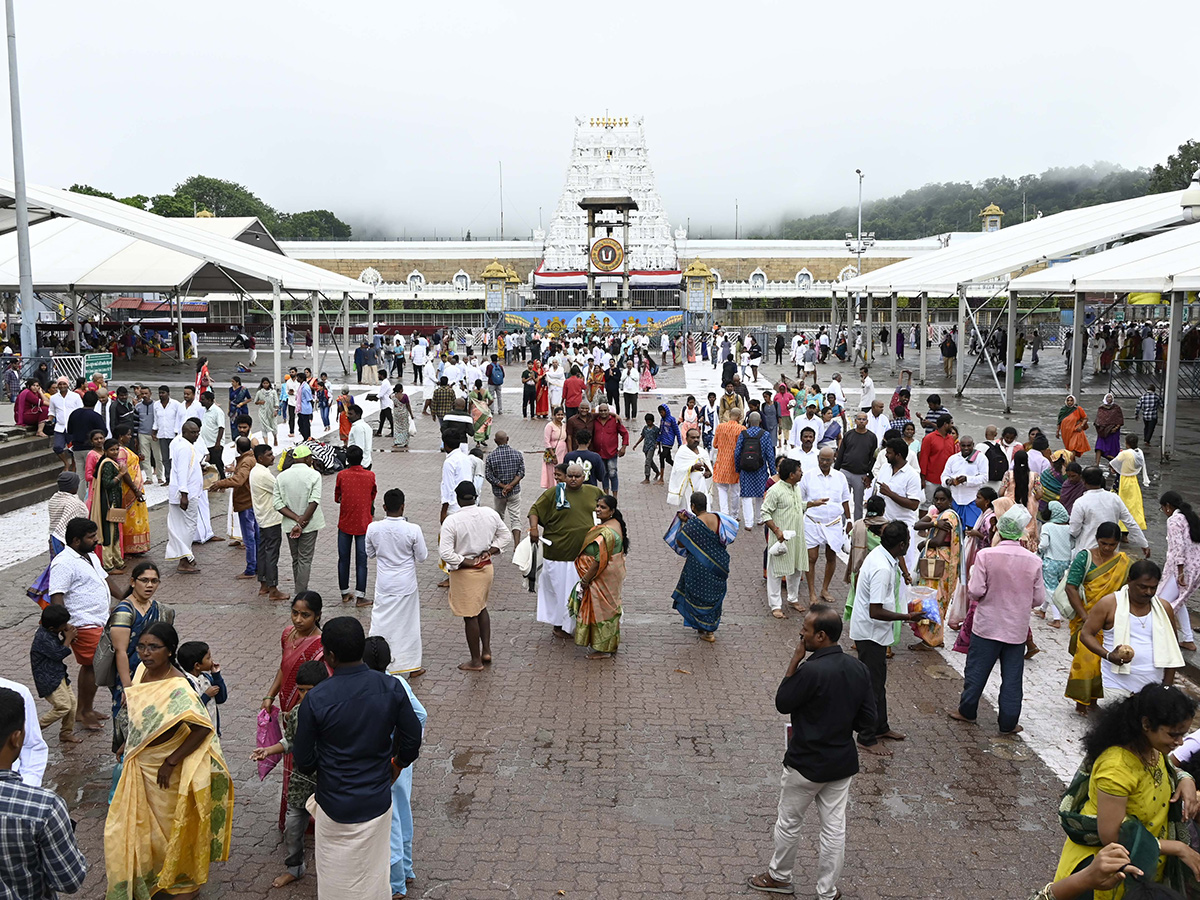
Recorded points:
(324, 407)
(981, 659)
(402, 831)
(250, 539)
(360, 563)
(609, 480)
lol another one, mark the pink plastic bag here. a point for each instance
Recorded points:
(269, 734)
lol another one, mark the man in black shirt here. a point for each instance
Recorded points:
(828, 698)
(356, 730)
(855, 457)
(80, 424)
(122, 412)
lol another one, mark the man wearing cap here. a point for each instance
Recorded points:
(298, 498)
(469, 539)
(810, 419)
(1006, 583)
(564, 512)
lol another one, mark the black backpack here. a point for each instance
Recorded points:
(752, 456)
(997, 462)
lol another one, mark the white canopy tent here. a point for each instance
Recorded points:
(123, 248)
(985, 266)
(1167, 264)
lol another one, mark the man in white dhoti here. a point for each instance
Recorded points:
(555, 379)
(561, 518)
(397, 546)
(824, 525)
(357, 728)
(469, 539)
(186, 487)
(691, 470)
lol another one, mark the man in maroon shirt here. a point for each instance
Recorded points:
(573, 392)
(936, 447)
(355, 492)
(606, 428)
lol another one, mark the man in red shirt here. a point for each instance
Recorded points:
(606, 428)
(573, 389)
(936, 447)
(355, 492)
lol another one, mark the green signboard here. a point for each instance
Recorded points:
(101, 363)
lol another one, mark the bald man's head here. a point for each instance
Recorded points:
(501, 438)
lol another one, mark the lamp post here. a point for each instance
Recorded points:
(24, 268)
(857, 245)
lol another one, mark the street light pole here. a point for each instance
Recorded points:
(24, 268)
(858, 262)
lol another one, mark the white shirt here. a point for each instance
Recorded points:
(191, 410)
(630, 384)
(1096, 506)
(816, 423)
(835, 388)
(61, 408)
(168, 419)
(456, 468)
(868, 393)
(80, 579)
(815, 485)
(976, 473)
(680, 488)
(397, 545)
(212, 423)
(31, 764)
(470, 531)
(187, 476)
(418, 355)
(262, 495)
(291, 387)
(360, 436)
(385, 394)
(454, 373)
(876, 583)
(878, 425)
(906, 483)
(809, 461)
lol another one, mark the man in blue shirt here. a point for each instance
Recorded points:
(304, 411)
(356, 730)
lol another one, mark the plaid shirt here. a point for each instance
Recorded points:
(441, 404)
(503, 465)
(899, 424)
(38, 853)
(1148, 406)
(12, 382)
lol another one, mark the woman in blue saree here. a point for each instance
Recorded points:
(701, 538)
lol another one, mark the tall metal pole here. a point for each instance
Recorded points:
(858, 261)
(24, 267)
(1010, 353)
(277, 334)
(1078, 339)
(1171, 389)
(923, 333)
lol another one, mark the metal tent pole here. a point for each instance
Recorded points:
(867, 342)
(1010, 354)
(960, 378)
(895, 331)
(24, 266)
(179, 320)
(923, 333)
(277, 333)
(346, 334)
(75, 322)
(1171, 389)
(1078, 334)
(316, 330)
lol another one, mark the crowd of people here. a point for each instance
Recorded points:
(962, 540)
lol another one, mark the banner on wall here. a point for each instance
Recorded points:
(592, 320)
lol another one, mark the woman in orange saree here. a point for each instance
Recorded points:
(1072, 427)
(135, 533)
(596, 600)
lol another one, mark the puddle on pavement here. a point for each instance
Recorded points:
(897, 805)
(462, 762)
(1010, 749)
(459, 805)
(941, 672)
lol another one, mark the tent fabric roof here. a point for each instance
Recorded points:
(1157, 264)
(1002, 254)
(113, 246)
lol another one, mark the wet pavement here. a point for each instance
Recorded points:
(653, 773)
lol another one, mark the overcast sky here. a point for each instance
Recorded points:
(395, 115)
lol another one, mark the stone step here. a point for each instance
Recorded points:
(17, 441)
(28, 470)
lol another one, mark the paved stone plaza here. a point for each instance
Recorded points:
(655, 772)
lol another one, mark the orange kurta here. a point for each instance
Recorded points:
(725, 438)
(1074, 432)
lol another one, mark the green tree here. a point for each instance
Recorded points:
(1177, 173)
(311, 225)
(227, 198)
(174, 206)
(137, 200)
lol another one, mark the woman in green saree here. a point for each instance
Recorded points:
(596, 600)
(107, 496)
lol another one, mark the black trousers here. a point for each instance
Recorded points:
(385, 415)
(528, 400)
(214, 457)
(874, 657)
(1150, 425)
(305, 425)
(270, 540)
(291, 419)
(630, 405)
(613, 395)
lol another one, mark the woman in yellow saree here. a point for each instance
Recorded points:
(1091, 577)
(596, 601)
(170, 816)
(135, 533)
